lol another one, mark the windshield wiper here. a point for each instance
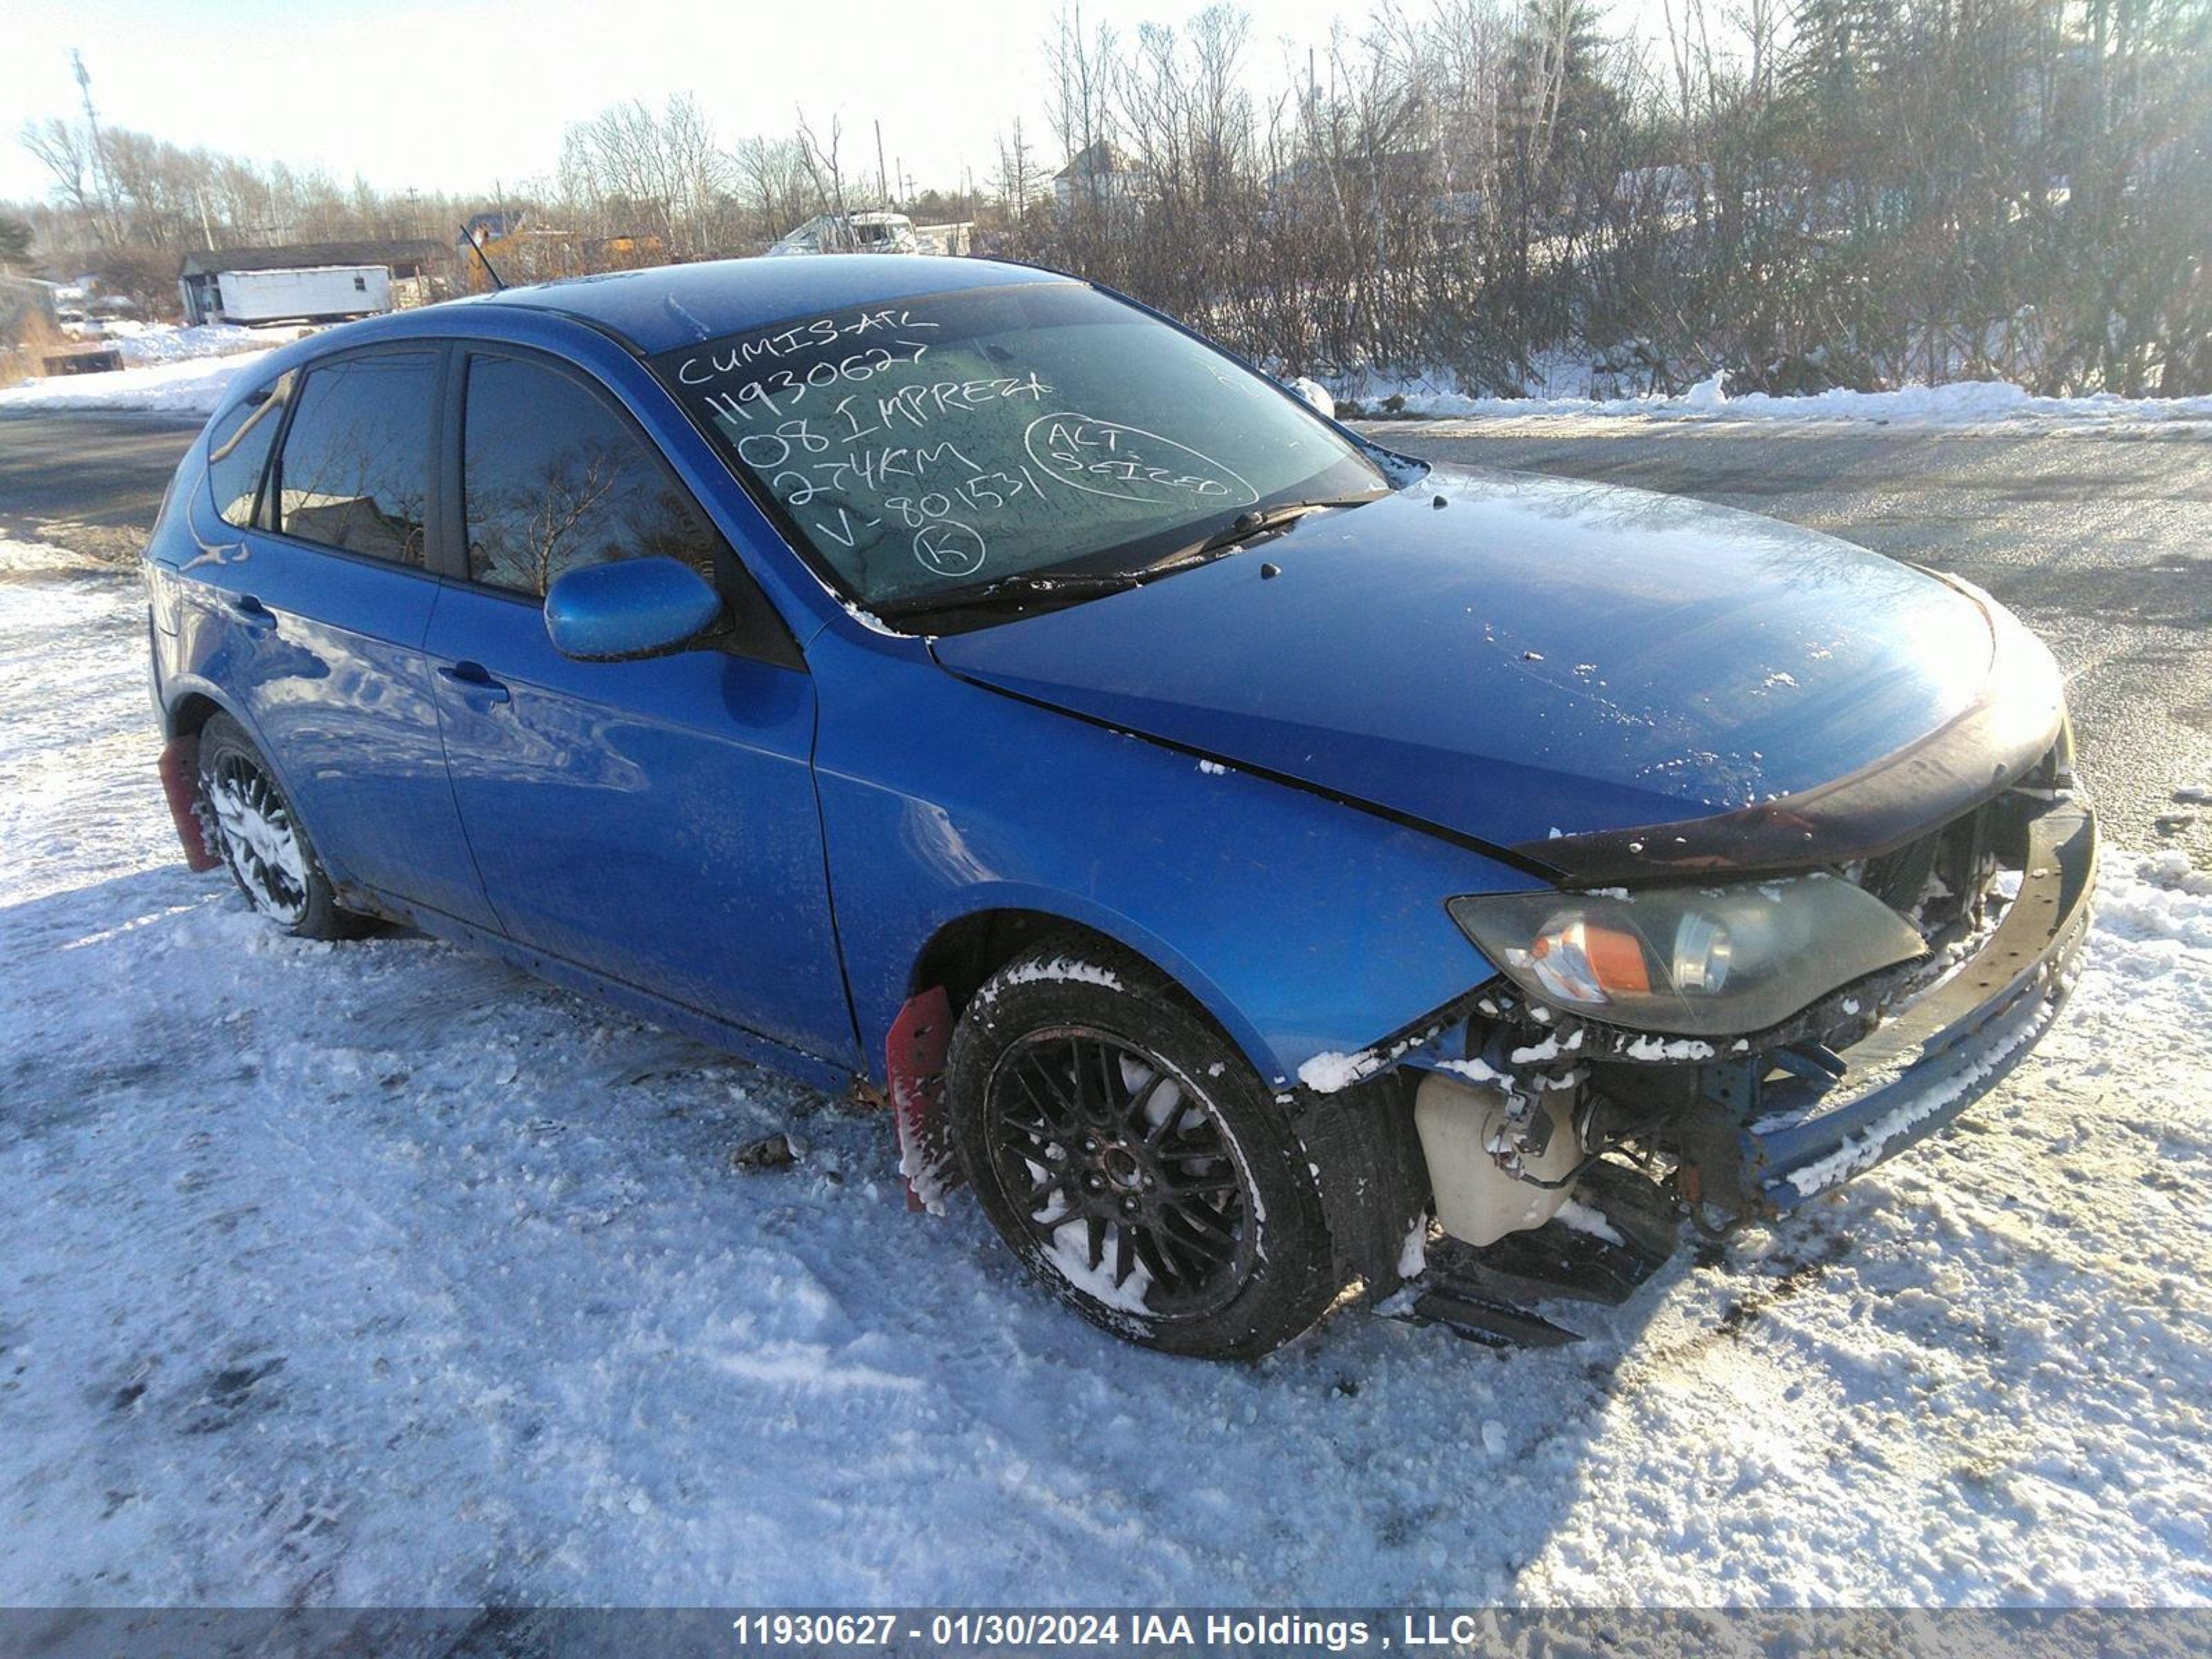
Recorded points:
(1009, 589)
(1042, 584)
(1257, 522)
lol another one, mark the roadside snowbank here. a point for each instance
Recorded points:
(1960, 403)
(172, 380)
(169, 369)
(378, 1273)
(190, 386)
(144, 344)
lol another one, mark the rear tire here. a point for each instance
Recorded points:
(253, 826)
(1137, 1165)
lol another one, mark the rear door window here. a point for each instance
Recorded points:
(355, 468)
(553, 479)
(238, 451)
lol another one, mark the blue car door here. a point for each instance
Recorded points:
(313, 574)
(652, 821)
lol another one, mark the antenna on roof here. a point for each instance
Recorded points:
(498, 281)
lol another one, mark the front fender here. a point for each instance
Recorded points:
(1132, 932)
(1304, 925)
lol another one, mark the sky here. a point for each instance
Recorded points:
(472, 93)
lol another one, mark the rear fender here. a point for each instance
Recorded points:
(180, 754)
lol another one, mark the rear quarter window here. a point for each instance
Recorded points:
(238, 451)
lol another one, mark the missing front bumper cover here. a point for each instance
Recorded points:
(1783, 1138)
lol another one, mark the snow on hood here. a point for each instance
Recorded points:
(1508, 656)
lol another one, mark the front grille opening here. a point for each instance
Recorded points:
(1939, 881)
(1942, 881)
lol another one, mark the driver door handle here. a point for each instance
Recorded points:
(477, 688)
(251, 614)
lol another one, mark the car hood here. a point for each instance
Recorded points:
(1511, 658)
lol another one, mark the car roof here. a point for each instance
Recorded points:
(673, 305)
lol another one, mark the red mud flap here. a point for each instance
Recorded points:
(180, 765)
(914, 1058)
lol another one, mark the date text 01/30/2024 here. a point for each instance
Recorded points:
(1108, 1632)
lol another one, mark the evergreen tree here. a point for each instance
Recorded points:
(15, 242)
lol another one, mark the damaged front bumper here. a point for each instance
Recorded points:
(1752, 1131)
(1753, 1126)
(1817, 1124)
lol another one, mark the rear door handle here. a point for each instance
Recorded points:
(251, 614)
(477, 689)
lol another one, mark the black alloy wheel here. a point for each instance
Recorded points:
(1140, 1169)
(1123, 1170)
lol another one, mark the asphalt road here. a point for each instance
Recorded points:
(92, 482)
(2101, 540)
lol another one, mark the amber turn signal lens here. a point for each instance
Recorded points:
(1588, 961)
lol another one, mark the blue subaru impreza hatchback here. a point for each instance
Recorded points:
(1265, 868)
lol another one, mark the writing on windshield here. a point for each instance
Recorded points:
(964, 437)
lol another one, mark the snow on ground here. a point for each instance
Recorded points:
(142, 344)
(167, 369)
(173, 372)
(1960, 403)
(379, 1273)
(188, 385)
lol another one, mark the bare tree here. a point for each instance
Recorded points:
(1802, 193)
(1020, 178)
(65, 149)
(825, 173)
(659, 177)
(773, 185)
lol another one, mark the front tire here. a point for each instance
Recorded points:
(264, 845)
(1137, 1165)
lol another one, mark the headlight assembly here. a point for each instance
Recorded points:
(1699, 962)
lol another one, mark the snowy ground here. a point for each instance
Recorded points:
(187, 386)
(173, 372)
(144, 344)
(167, 369)
(379, 1273)
(1960, 403)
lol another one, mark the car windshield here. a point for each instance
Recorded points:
(967, 443)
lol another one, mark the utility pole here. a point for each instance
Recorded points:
(883, 182)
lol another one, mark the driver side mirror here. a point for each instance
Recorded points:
(630, 608)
